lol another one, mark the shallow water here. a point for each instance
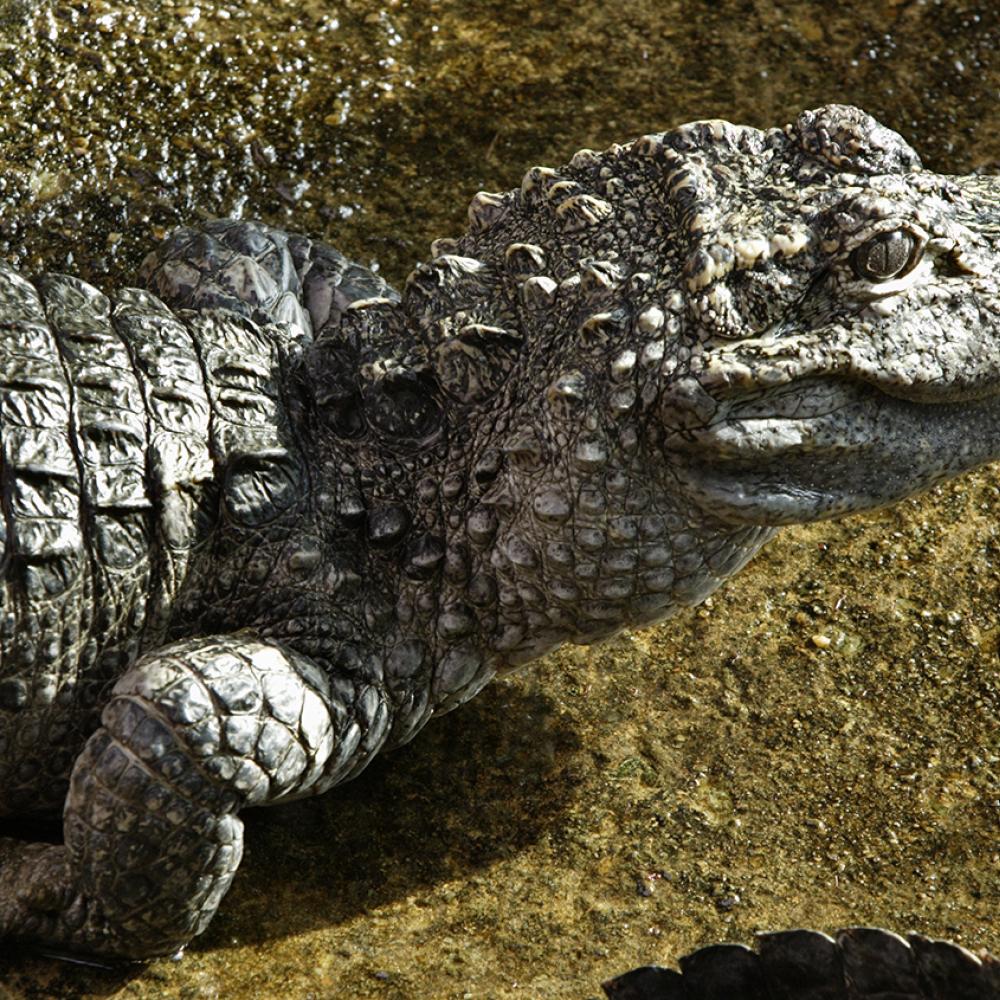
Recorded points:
(697, 782)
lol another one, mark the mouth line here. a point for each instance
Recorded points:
(823, 414)
(823, 454)
(783, 366)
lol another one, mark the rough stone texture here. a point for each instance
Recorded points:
(280, 528)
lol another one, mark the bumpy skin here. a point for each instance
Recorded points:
(251, 541)
(859, 963)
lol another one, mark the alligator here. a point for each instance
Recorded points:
(859, 963)
(265, 516)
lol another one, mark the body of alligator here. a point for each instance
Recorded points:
(267, 517)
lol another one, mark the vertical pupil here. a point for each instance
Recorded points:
(888, 255)
(880, 259)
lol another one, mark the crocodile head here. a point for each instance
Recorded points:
(660, 351)
(797, 323)
(843, 333)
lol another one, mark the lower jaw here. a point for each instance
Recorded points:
(742, 499)
(870, 451)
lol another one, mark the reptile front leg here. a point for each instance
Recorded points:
(191, 735)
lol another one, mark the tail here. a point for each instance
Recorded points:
(858, 963)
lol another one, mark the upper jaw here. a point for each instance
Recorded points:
(935, 342)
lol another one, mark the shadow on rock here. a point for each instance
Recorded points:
(478, 785)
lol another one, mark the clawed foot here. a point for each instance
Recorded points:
(36, 892)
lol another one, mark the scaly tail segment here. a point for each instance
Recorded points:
(859, 963)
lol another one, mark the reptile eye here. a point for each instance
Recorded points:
(886, 256)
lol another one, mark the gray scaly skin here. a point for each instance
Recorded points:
(860, 963)
(255, 535)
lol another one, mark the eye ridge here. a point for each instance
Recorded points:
(887, 255)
